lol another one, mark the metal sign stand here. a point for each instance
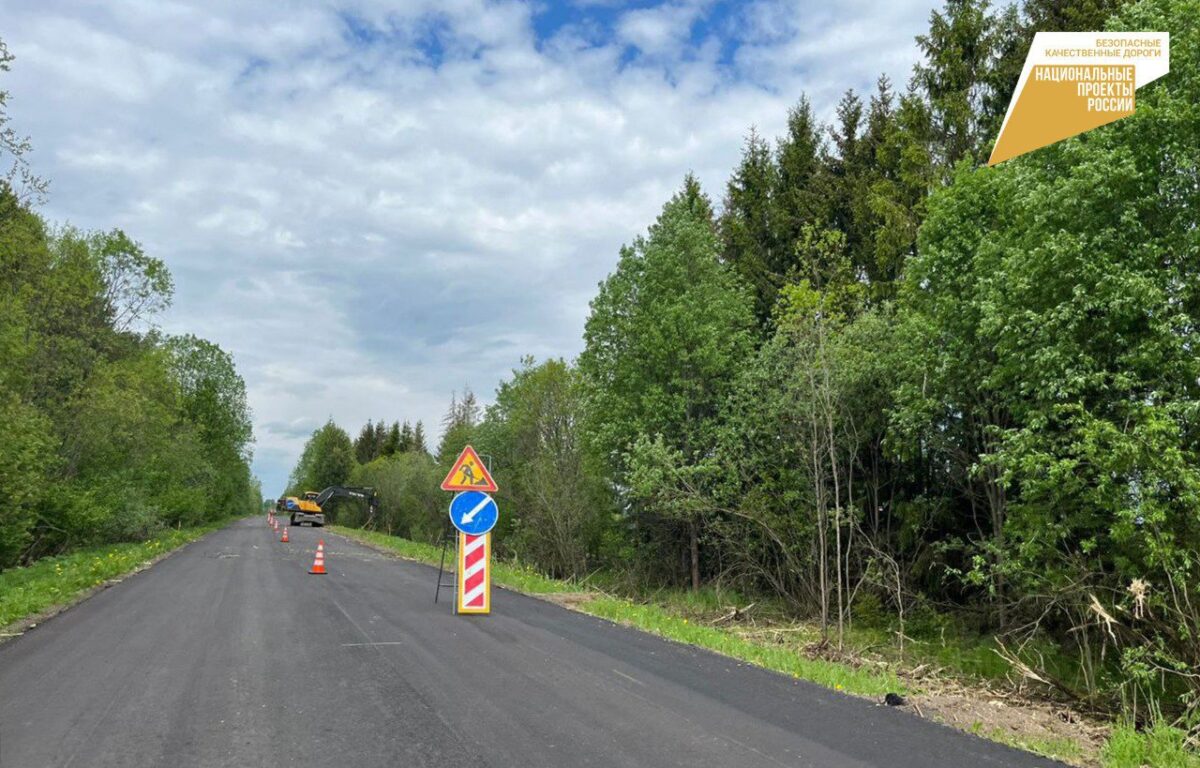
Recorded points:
(449, 532)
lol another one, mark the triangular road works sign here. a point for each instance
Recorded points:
(469, 474)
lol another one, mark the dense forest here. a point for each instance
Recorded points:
(112, 430)
(879, 379)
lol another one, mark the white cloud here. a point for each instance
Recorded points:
(661, 30)
(373, 207)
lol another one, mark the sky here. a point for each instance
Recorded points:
(373, 205)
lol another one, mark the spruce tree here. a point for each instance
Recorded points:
(747, 225)
(418, 439)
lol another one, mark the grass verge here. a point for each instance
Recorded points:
(661, 621)
(1160, 747)
(53, 583)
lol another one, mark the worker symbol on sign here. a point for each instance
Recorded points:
(469, 474)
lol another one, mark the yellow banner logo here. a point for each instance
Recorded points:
(1076, 81)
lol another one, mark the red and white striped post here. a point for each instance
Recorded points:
(475, 573)
(472, 480)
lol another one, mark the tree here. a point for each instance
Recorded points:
(458, 425)
(960, 51)
(1075, 303)
(666, 332)
(212, 398)
(213, 393)
(410, 503)
(903, 175)
(111, 430)
(137, 286)
(19, 178)
(554, 503)
(418, 439)
(364, 444)
(328, 459)
(392, 443)
(748, 227)
(25, 458)
(801, 195)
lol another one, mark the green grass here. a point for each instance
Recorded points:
(58, 581)
(1062, 749)
(1160, 747)
(412, 550)
(863, 681)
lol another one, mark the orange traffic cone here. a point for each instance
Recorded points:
(285, 536)
(319, 561)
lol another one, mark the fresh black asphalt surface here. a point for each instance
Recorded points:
(228, 653)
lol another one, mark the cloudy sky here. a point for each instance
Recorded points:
(374, 204)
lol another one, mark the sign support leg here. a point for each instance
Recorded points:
(446, 532)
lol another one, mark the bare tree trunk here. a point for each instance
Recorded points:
(695, 551)
(850, 538)
(837, 515)
(822, 543)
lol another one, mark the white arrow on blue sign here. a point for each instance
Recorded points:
(473, 512)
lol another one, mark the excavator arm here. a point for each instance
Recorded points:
(369, 495)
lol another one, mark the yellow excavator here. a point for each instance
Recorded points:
(308, 507)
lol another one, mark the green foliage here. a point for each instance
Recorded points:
(458, 427)
(960, 50)
(750, 241)
(24, 458)
(1160, 746)
(328, 459)
(665, 335)
(554, 506)
(116, 430)
(665, 332)
(18, 177)
(411, 504)
(1057, 343)
(112, 431)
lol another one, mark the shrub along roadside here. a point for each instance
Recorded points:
(58, 582)
(1127, 747)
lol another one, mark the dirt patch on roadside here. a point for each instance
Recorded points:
(572, 600)
(1011, 719)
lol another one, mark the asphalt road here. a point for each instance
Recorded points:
(229, 654)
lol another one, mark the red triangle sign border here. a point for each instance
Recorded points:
(488, 484)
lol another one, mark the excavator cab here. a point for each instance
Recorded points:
(303, 509)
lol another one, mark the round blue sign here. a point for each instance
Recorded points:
(474, 512)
